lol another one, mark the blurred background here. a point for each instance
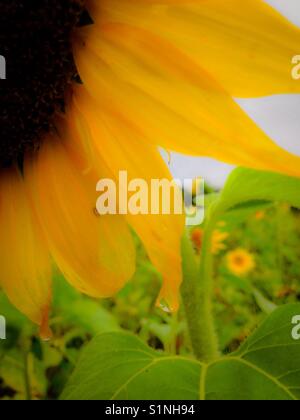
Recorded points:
(278, 116)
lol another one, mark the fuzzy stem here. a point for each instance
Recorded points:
(196, 294)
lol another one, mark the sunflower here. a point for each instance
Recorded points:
(94, 87)
(240, 262)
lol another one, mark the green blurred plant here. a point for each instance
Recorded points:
(252, 214)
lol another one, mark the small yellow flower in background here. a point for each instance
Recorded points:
(218, 240)
(217, 243)
(240, 262)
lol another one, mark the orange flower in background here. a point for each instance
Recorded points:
(97, 87)
(260, 215)
(197, 239)
(240, 262)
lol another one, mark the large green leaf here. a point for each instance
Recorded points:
(119, 366)
(266, 367)
(247, 185)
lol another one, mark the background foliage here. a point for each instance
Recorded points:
(268, 231)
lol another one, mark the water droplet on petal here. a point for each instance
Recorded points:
(165, 307)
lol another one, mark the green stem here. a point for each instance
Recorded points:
(280, 240)
(196, 294)
(26, 378)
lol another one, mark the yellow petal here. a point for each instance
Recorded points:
(123, 150)
(168, 100)
(95, 253)
(248, 47)
(25, 270)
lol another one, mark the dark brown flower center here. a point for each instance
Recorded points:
(36, 46)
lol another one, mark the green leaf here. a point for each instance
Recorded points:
(264, 304)
(247, 185)
(266, 367)
(118, 366)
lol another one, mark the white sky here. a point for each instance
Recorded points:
(279, 116)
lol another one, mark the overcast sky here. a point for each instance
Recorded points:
(279, 116)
